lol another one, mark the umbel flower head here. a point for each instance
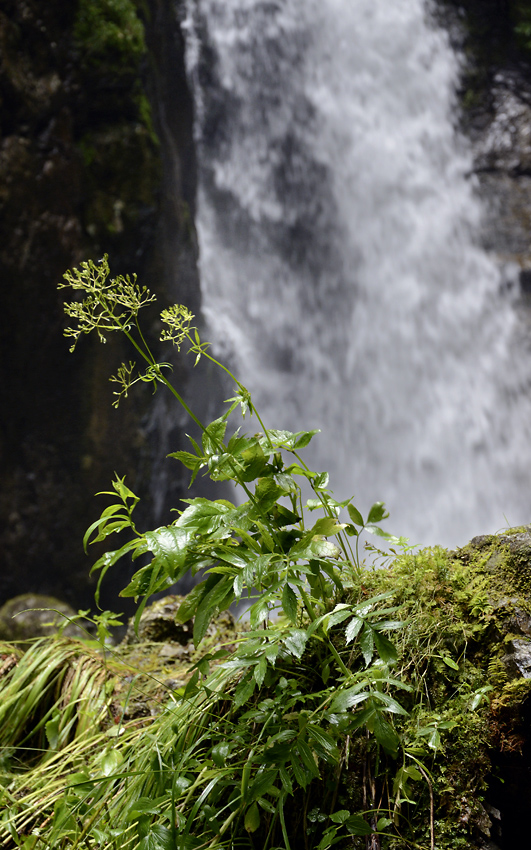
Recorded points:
(108, 305)
(113, 305)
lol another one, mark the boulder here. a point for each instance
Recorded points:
(34, 615)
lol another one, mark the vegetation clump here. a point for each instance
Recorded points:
(354, 710)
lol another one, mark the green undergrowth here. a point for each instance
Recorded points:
(353, 710)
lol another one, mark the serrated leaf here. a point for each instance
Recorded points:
(377, 513)
(244, 691)
(213, 435)
(289, 603)
(320, 482)
(188, 606)
(260, 670)
(391, 704)
(188, 460)
(267, 492)
(385, 734)
(348, 699)
(169, 545)
(324, 741)
(353, 629)
(366, 642)
(307, 757)
(385, 649)
(295, 642)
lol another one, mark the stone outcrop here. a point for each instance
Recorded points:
(496, 116)
(31, 615)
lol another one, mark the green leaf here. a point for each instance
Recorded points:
(188, 606)
(111, 762)
(262, 784)
(324, 741)
(267, 492)
(349, 698)
(367, 643)
(377, 513)
(385, 649)
(385, 734)
(244, 691)
(189, 460)
(298, 771)
(391, 704)
(213, 435)
(169, 545)
(320, 482)
(158, 838)
(340, 817)
(52, 730)
(356, 825)
(296, 469)
(320, 547)
(327, 526)
(307, 757)
(295, 642)
(302, 438)
(219, 596)
(260, 670)
(355, 515)
(353, 629)
(286, 781)
(220, 752)
(145, 806)
(252, 818)
(450, 662)
(289, 603)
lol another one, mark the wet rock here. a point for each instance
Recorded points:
(518, 659)
(20, 621)
(158, 624)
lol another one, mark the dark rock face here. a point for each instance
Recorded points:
(81, 173)
(496, 116)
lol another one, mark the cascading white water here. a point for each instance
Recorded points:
(338, 256)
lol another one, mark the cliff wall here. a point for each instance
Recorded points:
(96, 156)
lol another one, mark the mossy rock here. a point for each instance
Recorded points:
(466, 640)
(20, 618)
(158, 624)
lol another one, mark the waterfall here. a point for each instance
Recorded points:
(340, 259)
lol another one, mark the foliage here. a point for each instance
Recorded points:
(110, 27)
(318, 729)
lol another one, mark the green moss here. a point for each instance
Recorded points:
(461, 610)
(106, 28)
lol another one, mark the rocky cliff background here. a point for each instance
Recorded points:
(96, 156)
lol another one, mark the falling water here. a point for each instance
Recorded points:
(339, 256)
